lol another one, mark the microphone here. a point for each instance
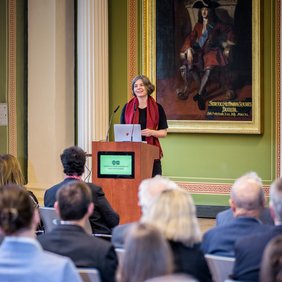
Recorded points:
(131, 136)
(110, 123)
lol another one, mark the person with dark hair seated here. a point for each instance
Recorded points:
(271, 266)
(103, 218)
(21, 257)
(74, 206)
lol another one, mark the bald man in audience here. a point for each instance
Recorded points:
(249, 250)
(246, 201)
(74, 206)
(149, 190)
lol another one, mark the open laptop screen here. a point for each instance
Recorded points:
(127, 133)
(115, 164)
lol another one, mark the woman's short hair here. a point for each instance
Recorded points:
(174, 213)
(10, 170)
(147, 254)
(146, 81)
(271, 266)
(16, 209)
(73, 160)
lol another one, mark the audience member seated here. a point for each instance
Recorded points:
(11, 173)
(271, 267)
(149, 189)
(21, 257)
(74, 206)
(174, 214)
(147, 254)
(225, 217)
(104, 218)
(246, 201)
(249, 250)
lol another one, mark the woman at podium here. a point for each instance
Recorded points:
(144, 110)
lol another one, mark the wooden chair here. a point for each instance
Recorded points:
(89, 274)
(220, 267)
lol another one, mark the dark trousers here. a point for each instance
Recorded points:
(157, 168)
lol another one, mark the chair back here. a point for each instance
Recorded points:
(120, 254)
(88, 227)
(89, 274)
(175, 277)
(49, 217)
(220, 267)
(51, 220)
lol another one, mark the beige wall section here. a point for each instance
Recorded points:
(50, 89)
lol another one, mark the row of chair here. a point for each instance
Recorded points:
(220, 267)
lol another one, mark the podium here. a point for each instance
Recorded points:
(122, 193)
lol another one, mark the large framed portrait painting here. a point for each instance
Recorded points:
(204, 57)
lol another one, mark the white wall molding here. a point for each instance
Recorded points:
(92, 57)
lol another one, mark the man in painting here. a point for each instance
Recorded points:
(205, 48)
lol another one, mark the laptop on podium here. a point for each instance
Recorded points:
(127, 133)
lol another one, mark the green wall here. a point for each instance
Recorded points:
(206, 158)
(21, 77)
(117, 55)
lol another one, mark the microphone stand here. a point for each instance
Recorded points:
(132, 131)
(110, 123)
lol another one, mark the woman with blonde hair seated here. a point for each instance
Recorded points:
(174, 214)
(21, 256)
(147, 255)
(11, 173)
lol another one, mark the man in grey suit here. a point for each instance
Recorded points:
(149, 190)
(74, 205)
(246, 202)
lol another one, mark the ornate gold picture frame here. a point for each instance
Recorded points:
(223, 113)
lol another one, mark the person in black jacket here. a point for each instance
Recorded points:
(74, 205)
(103, 218)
